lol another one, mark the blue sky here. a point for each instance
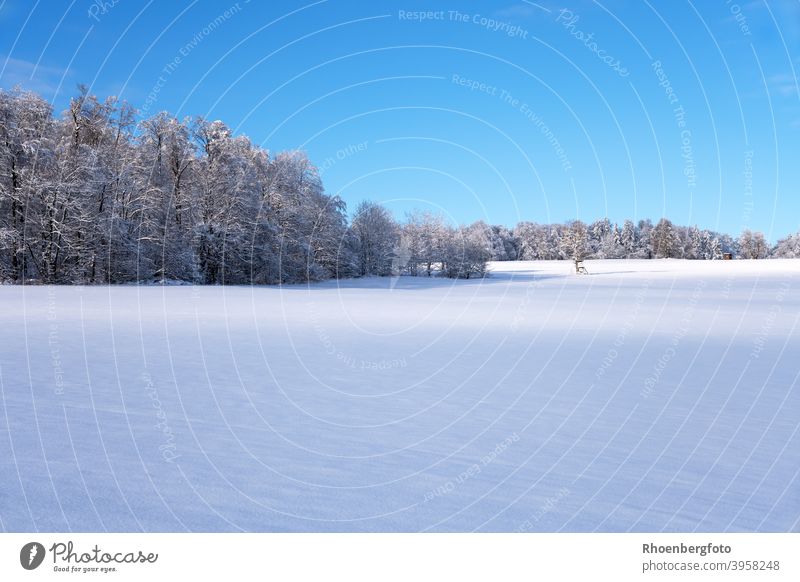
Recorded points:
(501, 111)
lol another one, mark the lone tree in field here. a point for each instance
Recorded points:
(573, 241)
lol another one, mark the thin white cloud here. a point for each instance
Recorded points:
(42, 79)
(784, 85)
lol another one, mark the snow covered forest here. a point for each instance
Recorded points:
(98, 196)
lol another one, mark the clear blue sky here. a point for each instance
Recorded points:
(566, 125)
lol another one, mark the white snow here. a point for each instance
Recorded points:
(647, 396)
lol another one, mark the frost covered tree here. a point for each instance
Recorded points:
(628, 239)
(312, 240)
(538, 242)
(25, 141)
(467, 252)
(713, 246)
(504, 244)
(664, 239)
(531, 240)
(644, 247)
(787, 248)
(425, 234)
(226, 204)
(696, 246)
(728, 244)
(753, 245)
(377, 236)
(610, 246)
(165, 154)
(574, 240)
(598, 232)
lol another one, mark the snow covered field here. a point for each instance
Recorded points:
(648, 396)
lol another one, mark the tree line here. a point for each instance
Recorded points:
(95, 196)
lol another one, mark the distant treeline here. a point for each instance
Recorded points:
(96, 197)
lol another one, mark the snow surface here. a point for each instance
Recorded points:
(647, 396)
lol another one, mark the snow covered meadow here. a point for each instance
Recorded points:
(648, 396)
